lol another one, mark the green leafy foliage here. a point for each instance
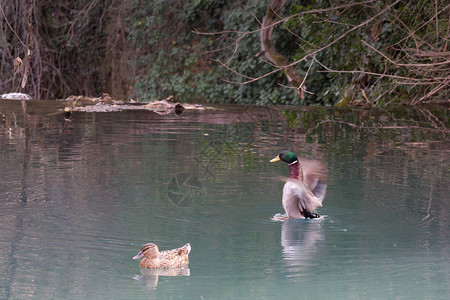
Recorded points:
(366, 52)
(177, 61)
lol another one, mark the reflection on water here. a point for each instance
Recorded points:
(300, 240)
(78, 197)
(149, 277)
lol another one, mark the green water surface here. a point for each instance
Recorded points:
(79, 197)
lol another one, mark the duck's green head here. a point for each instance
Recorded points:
(286, 156)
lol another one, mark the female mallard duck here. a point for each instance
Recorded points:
(175, 258)
(305, 188)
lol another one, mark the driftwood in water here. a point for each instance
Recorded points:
(15, 96)
(270, 53)
(107, 104)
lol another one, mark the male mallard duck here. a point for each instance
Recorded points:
(175, 258)
(305, 188)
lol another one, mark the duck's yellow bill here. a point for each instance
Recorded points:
(275, 159)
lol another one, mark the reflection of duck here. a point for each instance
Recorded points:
(300, 241)
(175, 258)
(150, 277)
(305, 188)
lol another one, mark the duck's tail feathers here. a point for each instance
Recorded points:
(186, 249)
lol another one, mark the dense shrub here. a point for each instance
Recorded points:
(371, 52)
(368, 52)
(174, 60)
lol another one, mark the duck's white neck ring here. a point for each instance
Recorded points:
(293, 162)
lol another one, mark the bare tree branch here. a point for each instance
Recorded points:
(267, 47)
(311, 54)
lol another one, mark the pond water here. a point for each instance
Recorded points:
(79, 197)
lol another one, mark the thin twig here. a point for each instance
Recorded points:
(365, 72)
(307, 73)
(9, 25)
(404, 65)
(434, 91)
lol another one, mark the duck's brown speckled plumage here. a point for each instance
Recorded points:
(153, 259)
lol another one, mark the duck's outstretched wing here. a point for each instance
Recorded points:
(315, 177)
(298, 200)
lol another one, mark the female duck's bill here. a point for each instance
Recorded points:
(139, 255)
